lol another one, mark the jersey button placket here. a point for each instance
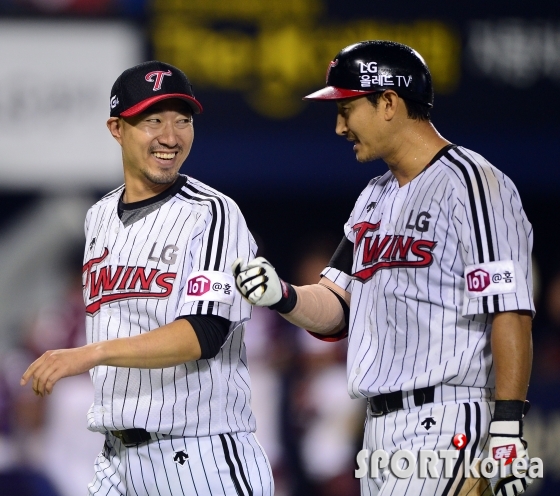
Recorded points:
(397, 208)
(113, 261)
(391, 211)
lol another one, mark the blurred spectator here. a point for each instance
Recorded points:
(132, 8)
(542, 429)
(22, 446)
(306, 422)
(46, 439)
(324, 422)
(269, 352)
(331, 421)
(546, 339)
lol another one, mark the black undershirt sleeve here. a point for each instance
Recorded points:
(211, 331)
(343, 257)
(345, 308)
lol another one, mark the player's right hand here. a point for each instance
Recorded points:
(505, 444)
(53, 365)
(257, 281)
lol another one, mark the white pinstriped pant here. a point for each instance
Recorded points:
(221, 465)
(403, 429)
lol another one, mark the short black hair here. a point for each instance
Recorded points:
(414, 110)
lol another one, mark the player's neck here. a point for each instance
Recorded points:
(417, 147)
(137, 189)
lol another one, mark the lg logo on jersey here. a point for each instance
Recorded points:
(168, 254)
(421, 224)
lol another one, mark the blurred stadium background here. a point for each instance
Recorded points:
(496, 71)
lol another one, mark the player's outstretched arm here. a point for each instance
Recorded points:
(320, 308)
(512, 352)
(165, 346)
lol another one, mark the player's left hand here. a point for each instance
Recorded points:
(52, 366)
(507, 444)
(257, 281)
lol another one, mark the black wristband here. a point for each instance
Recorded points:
(508, 410)
(288, 300)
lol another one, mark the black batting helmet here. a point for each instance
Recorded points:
(373, 66)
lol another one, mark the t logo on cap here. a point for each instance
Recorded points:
(159, 78)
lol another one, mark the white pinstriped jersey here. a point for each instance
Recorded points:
(432, 261)
(137, 278)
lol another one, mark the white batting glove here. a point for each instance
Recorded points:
(257, 281)
(507, 444)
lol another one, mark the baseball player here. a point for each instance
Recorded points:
(431, 282)
(164, 323)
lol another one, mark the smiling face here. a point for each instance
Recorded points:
(366, 125)
(154, 144)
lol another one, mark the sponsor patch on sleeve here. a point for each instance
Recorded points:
(492, 278)
(210, 285)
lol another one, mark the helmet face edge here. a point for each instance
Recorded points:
(334, 93)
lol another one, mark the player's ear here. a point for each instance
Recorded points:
(388, 103)
(114, 125)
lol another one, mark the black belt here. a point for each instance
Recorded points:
(132, 437)
(383, 404)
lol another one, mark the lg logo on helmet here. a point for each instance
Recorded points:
(368, 67)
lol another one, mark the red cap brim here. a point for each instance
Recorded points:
(334, 93)
(144, 104)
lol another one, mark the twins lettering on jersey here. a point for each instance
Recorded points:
(108, 284)
(375, 252)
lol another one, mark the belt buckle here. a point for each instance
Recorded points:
(123, 438)
(118, 435)
(372, 412)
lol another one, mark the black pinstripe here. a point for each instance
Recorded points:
(473, 203)
(221, 233)
(232, 473)
(485, 210)
(236, 456)
(212, 200)
(461, 459)
(485, 213)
